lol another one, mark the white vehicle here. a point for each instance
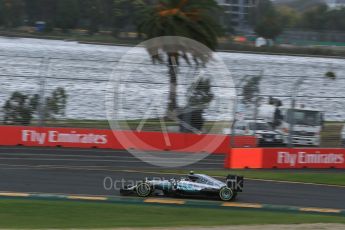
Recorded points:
(261, 129)
(307, 123)
(343, 136)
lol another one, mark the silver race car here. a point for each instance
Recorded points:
(192, 185)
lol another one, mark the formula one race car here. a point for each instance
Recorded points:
(192, 185)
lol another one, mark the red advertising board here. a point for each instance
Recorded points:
(52, 137)
(286, 158)
(95, 138)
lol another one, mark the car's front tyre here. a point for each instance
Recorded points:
(227, 194)
(144, 189)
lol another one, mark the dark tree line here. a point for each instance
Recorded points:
(269, 20)
(266, 20)
(321, 17)
(317, 17)
(92, 15)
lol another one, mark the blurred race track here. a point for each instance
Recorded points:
(76, 171)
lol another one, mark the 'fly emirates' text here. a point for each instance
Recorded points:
(58, 137)
(309, 158)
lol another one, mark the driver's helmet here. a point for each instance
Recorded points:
(193, 178)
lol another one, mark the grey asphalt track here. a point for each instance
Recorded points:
(101, 172)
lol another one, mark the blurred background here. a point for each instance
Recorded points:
(283, 100)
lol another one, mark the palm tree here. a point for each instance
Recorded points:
(192, 19)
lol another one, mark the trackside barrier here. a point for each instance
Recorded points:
(257, 158)
(107, 139)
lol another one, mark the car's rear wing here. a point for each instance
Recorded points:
(235, 182)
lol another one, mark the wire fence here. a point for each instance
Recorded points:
(280, 110)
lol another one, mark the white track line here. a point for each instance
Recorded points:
(106, 169)
(70, 167)
(296, 182)
(95, 156)
(57, 149)
(162, 160)
(252, 179)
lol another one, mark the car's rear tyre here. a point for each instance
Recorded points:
(144, 189)
(227, 194)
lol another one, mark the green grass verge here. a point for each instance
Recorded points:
(53, 214)
(318, 177)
